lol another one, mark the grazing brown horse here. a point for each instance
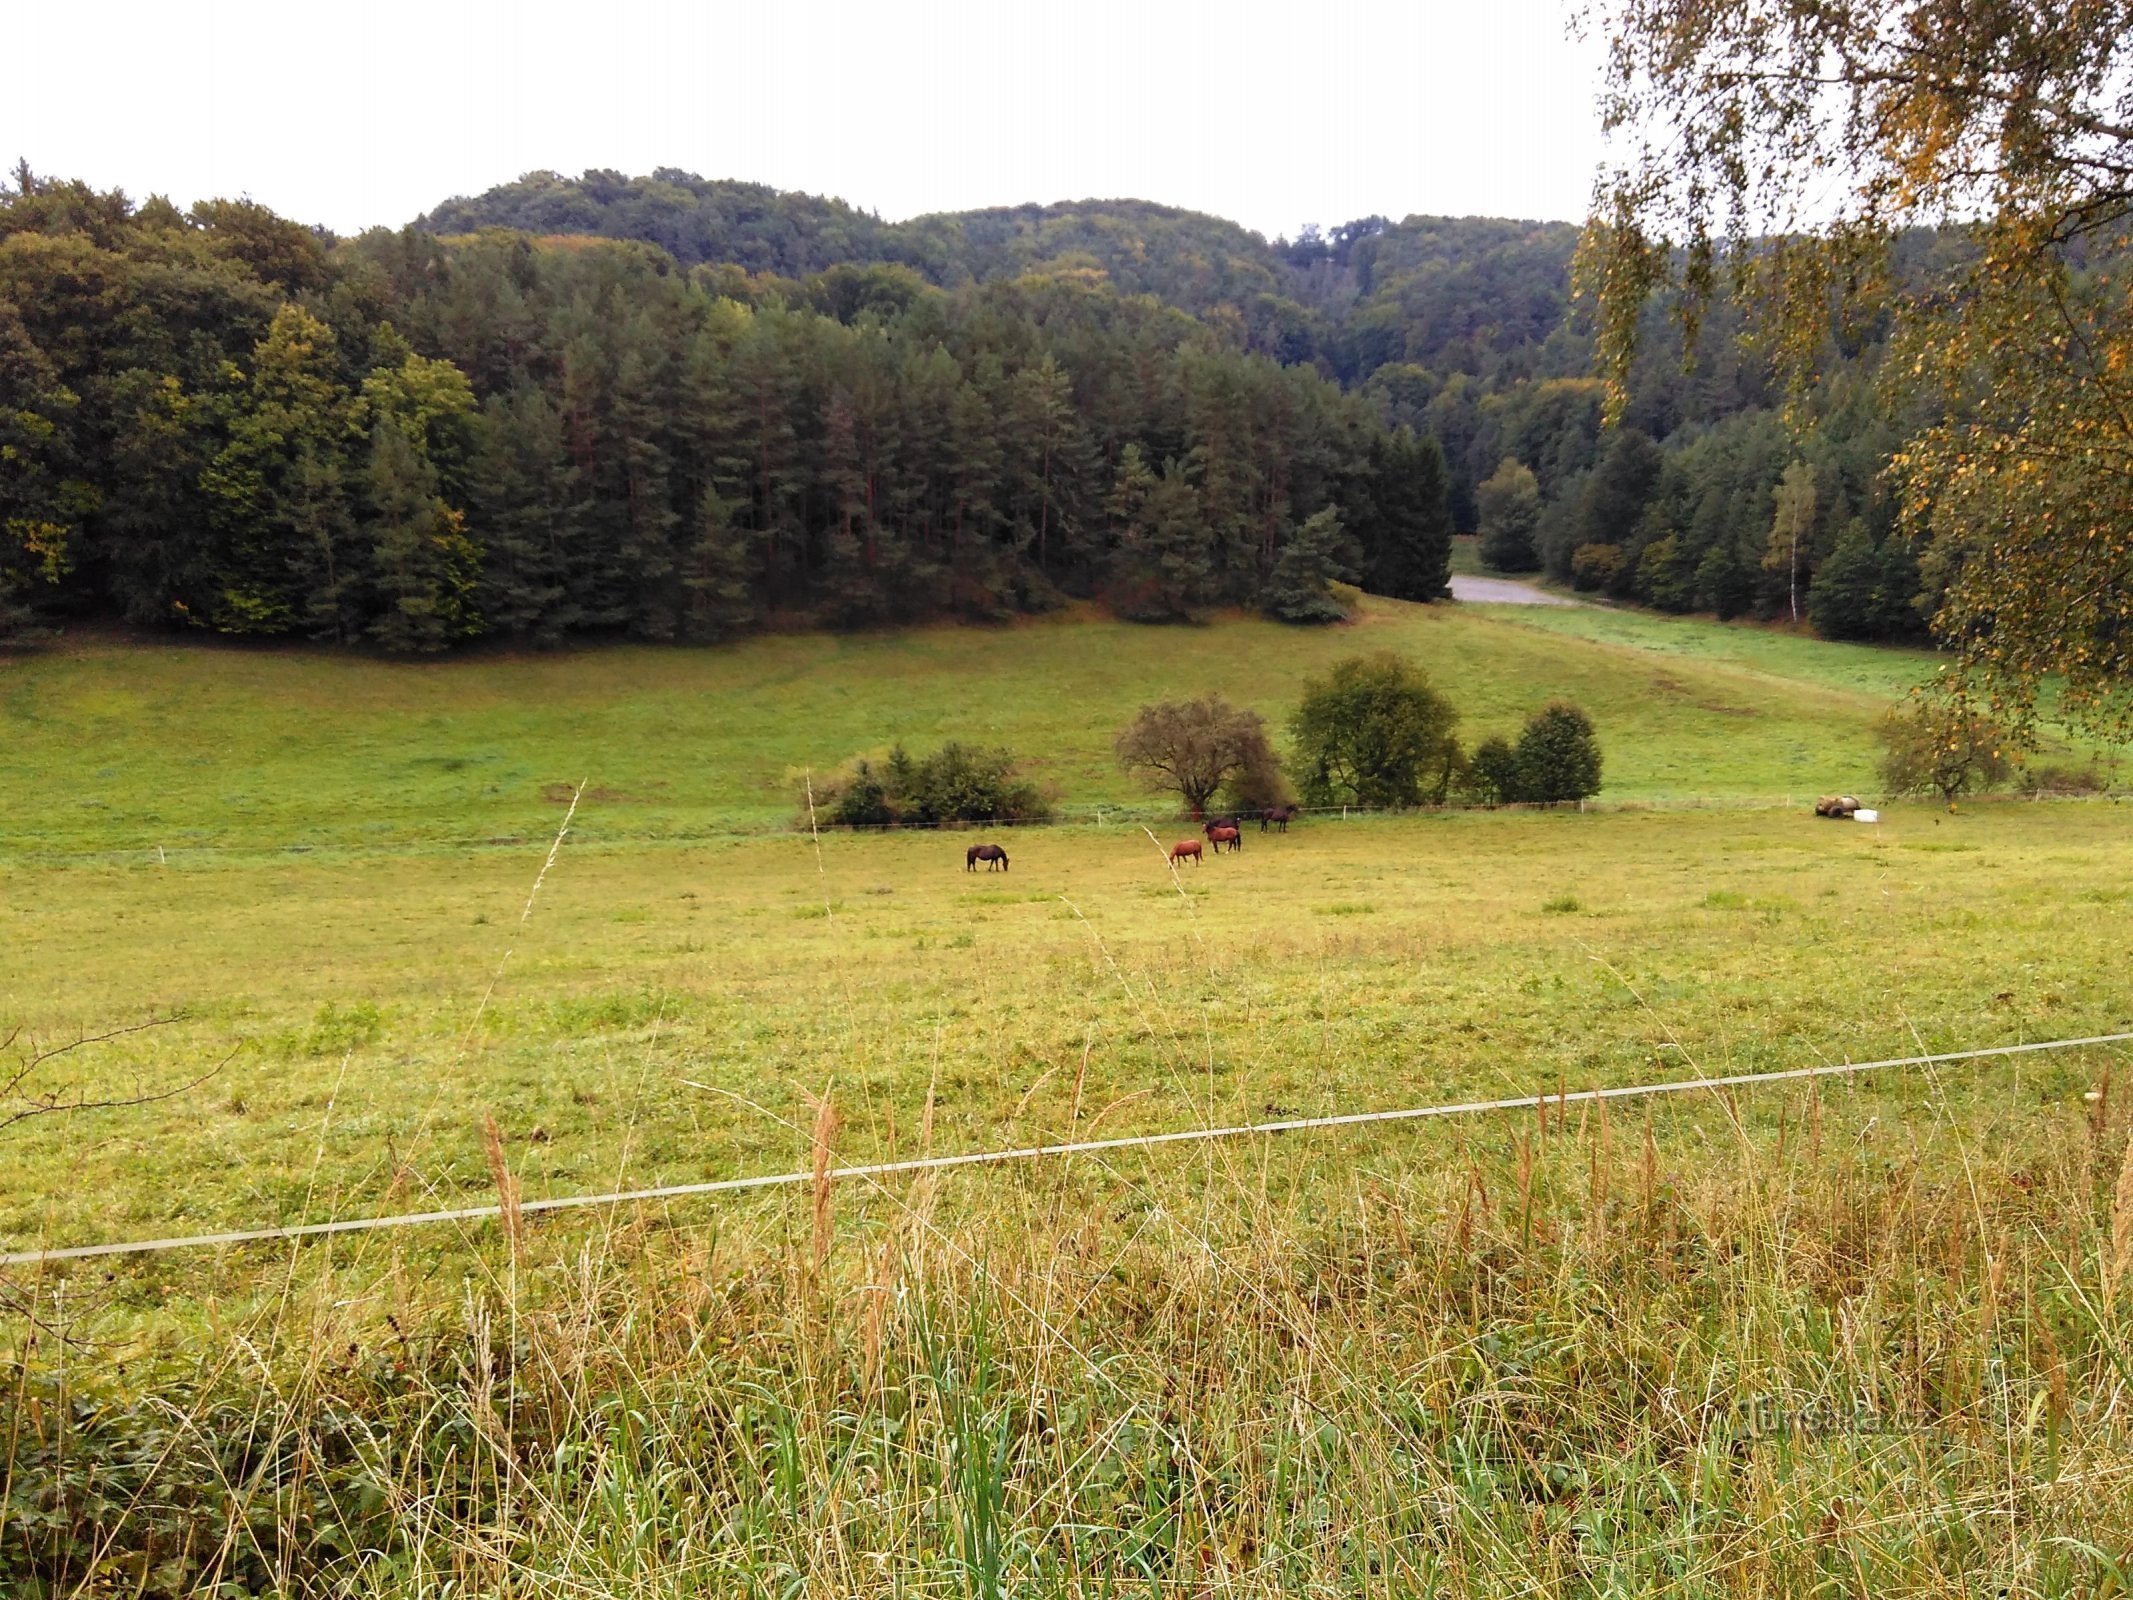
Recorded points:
(991, 854)
(1225, 833)
(1185, 850)
(1279, 816)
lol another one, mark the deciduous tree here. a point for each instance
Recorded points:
(1368, 732)
(1192, 748)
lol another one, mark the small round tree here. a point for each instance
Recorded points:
(1558, 755)
(1191, 748)
(1492, 771)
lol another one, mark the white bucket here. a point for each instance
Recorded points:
(1866, 816)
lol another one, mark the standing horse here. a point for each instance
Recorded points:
(1225, 833)
(1185, 850)
(1279, 816)
(991, 854)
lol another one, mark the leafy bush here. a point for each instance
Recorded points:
(1492, 771)
(1372, 733)
(957, 783)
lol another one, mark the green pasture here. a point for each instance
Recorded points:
(368, 1012)
(115, 748)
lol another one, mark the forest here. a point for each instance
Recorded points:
(678, 409)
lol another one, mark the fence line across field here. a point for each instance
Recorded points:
(890, 1169)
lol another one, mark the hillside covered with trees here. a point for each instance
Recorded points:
(676, 408)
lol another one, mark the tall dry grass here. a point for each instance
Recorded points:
(1697, 1360)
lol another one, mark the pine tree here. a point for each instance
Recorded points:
(718, 575)
(1162, 568)
(523, 510)
(1311, 560)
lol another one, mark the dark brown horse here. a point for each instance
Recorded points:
(1225, 833)
(991, 854)
(1279, 816)
(1185, 850)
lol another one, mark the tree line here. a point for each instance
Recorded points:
(221, 419)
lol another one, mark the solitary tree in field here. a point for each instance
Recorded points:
(1928, 750)
(1371, 732)
(1778, 150)
(1191, 748)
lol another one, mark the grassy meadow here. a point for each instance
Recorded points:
(1871, 1335)
(118, 747)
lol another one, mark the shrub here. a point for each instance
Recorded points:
(864, 801)
(1933, 748)
(1371, 732)
(957, 783)
(2095, 778)
(1492, 771)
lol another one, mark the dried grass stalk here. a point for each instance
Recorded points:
(492, 1144)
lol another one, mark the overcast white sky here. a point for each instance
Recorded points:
(349, 115)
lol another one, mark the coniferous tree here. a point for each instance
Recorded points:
(1311, 561)
(525, 513)
(1405, 504)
